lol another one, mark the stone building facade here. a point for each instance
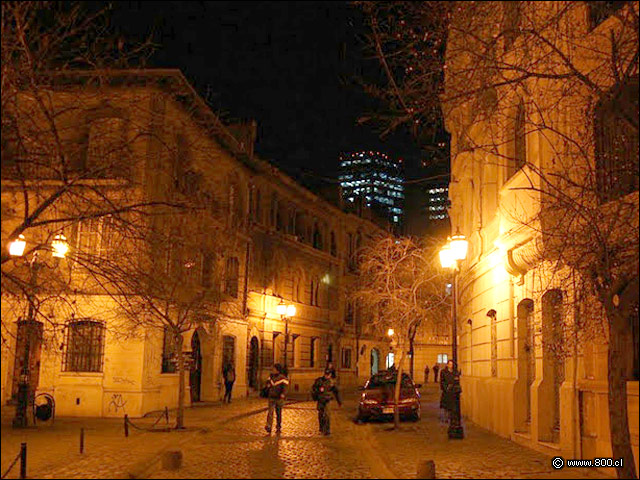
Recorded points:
(251, 239)
(515, 298)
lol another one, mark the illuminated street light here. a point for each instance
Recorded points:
(59, 246)
(450, 255)
(281, 308)
(391, 332)
(291, 310)
(16, 247)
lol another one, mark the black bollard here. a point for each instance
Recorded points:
(23, 460)
(82, 440)
(166, 413)
(126, 425)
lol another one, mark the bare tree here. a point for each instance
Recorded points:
(531, 91)
(400, 287)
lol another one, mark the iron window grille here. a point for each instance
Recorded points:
(85, 346)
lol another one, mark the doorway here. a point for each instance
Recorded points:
(254, 358)
(375, 361)
(195, 374)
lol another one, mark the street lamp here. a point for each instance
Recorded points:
(285, 311)
(59, 249)
(450, 255)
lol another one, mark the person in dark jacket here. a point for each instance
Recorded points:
(426, 373)
(449, 387)
(229, 374)
(322, 391)
(436, 367)
(276, 387)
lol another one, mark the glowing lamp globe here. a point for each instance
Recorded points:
(281, 308)
(291, 310)
(391, 332)
(59, 246)
(16, 247)
(459, 246)
(446, 257)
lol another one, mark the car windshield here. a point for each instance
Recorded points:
(386, 379)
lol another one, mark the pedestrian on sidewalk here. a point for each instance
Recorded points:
(436, 367)
(426, 374)
(276, 387)
(229, 374)
(322, 392)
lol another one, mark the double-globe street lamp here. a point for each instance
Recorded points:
(286, 311)
(450, 256)
(58, 248)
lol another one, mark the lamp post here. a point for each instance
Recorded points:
(450, 255)
(59, 249)
(285, 311)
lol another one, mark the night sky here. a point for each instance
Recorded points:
(289, 66)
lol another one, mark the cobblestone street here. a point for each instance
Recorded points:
(230, 442)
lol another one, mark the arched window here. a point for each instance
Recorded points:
(616, 129)
(85, 346)
(334, 246)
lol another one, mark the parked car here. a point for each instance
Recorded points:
(377, 400)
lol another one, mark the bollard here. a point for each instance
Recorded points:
(126, 425)
(82, 440)
(172, 460)
(166, 414)
(427, 469)
(23, 460)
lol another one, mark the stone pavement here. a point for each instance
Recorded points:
(229, 441)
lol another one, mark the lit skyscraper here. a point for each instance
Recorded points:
(374, 180)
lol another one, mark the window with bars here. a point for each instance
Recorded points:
(518, 157)
(85, 346)
(169, 352)
(616, 129)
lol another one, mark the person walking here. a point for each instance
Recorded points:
(322, 391)
(276, 387)
(229, 374)
(436, 369)
(426, 373)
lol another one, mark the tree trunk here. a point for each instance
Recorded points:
(396, 393)
(181, 383)
(618, 415)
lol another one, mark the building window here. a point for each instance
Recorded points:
(348, 319)
(616, 129)
(510, 23)
(207, 269)
(317, 238)
(313, 352)
(518, 158)
(106, 148)
(346, 358)
(390, 360)
(443, 358)
(85, 346)
(599, 11)
(232, 277)
(169, 352)
(334, 247)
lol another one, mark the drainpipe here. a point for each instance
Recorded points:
(245, 293)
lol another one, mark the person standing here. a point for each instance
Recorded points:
(322, 391)
(449, 387)
(426, 374)
(276, 387)
(229, 374)
(436, 368)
